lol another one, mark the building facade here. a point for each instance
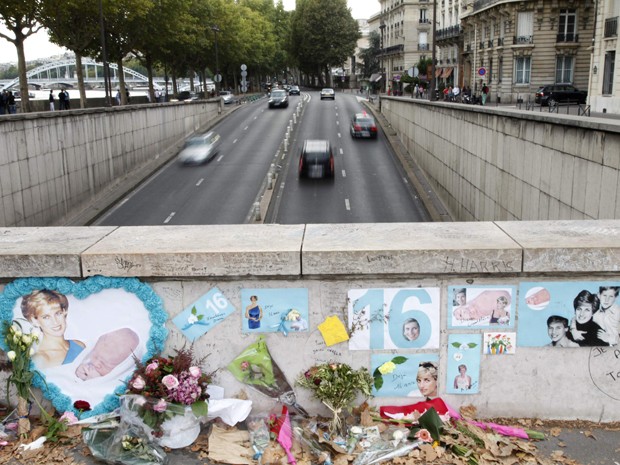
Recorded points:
(604, 88)
(405, 28)
(516, 46)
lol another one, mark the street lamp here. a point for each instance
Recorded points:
(104, 57)
(382, 27)
(431, 95)
(217, 78)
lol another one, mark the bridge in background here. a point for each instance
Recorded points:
(63, 72)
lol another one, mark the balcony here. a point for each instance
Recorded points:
(392, 50)
(490, 44)
(425, 21)
(523, 40)
(468, 48)
(567, 38)
(424, 47)
(500, 42)
(611, 27)
(481, 45)
(452, 32)
(480, 4)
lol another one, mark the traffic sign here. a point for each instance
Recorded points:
(482, 71)
(217, 78)
(243, 67)
(244, 88)
(244, 73)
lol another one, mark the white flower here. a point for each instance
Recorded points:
(192, 319)
(195, 372)
(26, 339)
(11, 355)
(31, 352)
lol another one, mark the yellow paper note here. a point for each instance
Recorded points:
(333, 331)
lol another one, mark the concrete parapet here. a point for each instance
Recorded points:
(182, 264)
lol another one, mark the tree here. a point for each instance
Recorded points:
(20, 17)
(369, 55)
(323, 34)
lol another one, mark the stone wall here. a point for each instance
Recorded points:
(184, 263)
(501, 164)
(54, 164)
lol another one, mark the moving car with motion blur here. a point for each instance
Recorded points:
(278, 99)
(227, 96)
(200, 149)
(328, 93)
(551, 95)
(316, 160)
(294, 90)
(363, 125)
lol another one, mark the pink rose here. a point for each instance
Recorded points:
(138, 383)
(195, 372)
(170, 381)
(245, 365)
(424, 435)
(69, 418)
(151, 367)
(160, 406)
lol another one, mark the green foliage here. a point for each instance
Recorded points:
(371, 63)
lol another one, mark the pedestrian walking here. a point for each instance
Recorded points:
(51, 99)
(3, 102)
(61, 100)
(11, 103)
(485, 93)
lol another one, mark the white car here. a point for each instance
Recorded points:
(328, 93)
(227, 96)
(200, 149)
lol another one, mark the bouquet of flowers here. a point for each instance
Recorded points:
(166, 386)
(337, 385)
(20, 344)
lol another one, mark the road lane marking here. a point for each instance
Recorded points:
(167, 220)
(347, 204)
(219, 158)
(124, 201)
(341, 151)
(344, 174)
(246, 128)
(337, 123)
(200, 182)
(235, 141)
(339, 135)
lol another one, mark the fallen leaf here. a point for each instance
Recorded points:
(589, 434)
(555, 432)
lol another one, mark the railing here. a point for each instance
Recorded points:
(500, 42)
(480, 4)
(567, 38)
(449, 32)
(481, 44)
(423, 47)
(425, 21)
(490, 44)
(611, 27)
(468, 48)
(523, 40)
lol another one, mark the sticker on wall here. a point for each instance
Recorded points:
(90, 332)
(481, 307)
(568, 314)
(405, 375)
(499, 343)
(399, 318)
(208, 311)
(274, 310)
(463, 371)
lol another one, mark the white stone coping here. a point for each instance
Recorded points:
(459, 248)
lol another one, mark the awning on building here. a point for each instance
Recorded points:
(375, 77)
(438, 72)
(447, 72)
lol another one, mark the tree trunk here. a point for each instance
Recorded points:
(121, 82)
(80, 79)
(21, 66)
(23, 424)
(149, 73)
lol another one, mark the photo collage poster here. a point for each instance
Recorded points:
(203, 314)
(394, 318)
(463, 367)
(274, 310)
(568, 314)
(405, 375)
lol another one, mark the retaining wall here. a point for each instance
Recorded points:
(489, 164)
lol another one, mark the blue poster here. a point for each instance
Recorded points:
(208, 311)
(405, 375)
(463, 371)
(481, 306)
(274, 310)
(394, 318)
(568, 314)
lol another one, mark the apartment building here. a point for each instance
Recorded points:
(604, 88)
(405, 28)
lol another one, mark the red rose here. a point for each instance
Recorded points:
(81, 405)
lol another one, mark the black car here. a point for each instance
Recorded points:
(278, 98)
(363, 125)
(316, 160)
(560, 93)
(294, 90)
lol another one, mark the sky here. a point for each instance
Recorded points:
(38, 46)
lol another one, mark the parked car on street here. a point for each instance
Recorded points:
(316, 160)
(328, 93)
(278, 99)
(560, 93)
(200, 149)
(363, 125)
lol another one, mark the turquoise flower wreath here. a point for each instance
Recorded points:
(82, 289)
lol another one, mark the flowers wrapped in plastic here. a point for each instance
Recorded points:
(255, 367)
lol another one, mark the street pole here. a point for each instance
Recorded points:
(215, 30)
(431, 95)
(104, 57)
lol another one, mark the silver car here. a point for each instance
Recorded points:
(200, 149)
